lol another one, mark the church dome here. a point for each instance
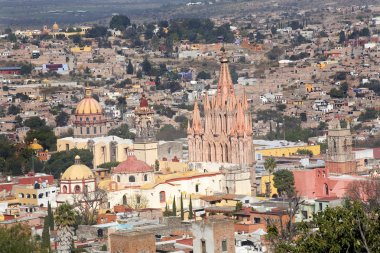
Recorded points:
(77, 171)
(35, 145)
(132, 165)
(55, 27)
(88, 105)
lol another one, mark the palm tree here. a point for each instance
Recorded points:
(65, 221)
(270, 164)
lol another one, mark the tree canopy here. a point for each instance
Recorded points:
(284, 183)
(120, 22)
(60, 161)
(17, 239)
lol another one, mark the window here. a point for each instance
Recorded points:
(320, 207)
(40, 196)
(224, 245)
(162, 197)
(125, 202)
(132, 179)
(204, 246)
(28, 196)
(47, 194)
(257, 220)
(138, 199)
(94, 130)
(81, 130)
(326, 188)
(145, 177)
(196, 188)
(21, 195)
(94, 118)
(118, 179)
(87, 119)
(77, 189)
(80, 119)
(64, 189)
(87, 130)
(67, 147)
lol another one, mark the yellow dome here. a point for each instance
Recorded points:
(35, 145)
(77, 171)
(88, 105)
(55, 26)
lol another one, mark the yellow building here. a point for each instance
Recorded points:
(85, 49)
(309, 87)
(287, 150)
(266, 184)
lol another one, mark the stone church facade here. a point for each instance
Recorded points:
(224, 136)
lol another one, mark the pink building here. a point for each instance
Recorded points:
(317, 183)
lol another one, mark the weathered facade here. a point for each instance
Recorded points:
(340, 158)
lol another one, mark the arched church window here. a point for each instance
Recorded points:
(77, 189)
(64, 189)
(118, 179)
(162, 197)
(145, 177)
(326, 189)
(88, 130)
(132, 179)
(87, 119)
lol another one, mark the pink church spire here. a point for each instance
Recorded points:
(225, 86)
(197, 122)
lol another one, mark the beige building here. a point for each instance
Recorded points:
(105, 149)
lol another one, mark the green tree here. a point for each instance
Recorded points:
(270, 165)
(342, 37)
(369, 115)
(190, 209)
(17, 239)
(122, 132)
(120, 22)
(284, 183)
(60, 161)
(174, 207)
(347, 228)
(303, 116)
(146, 67)
(45, 244)
(182, 211)
(65, 221)
(13, 110)
(61, 119)
(203, 75)
(130, 68)
(35, 122)
(45, 137)
(26, 69)
(305, 152)
(50, 217)
(238, 206)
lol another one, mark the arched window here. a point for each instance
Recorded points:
(34, 196)
(81, 130)
(87, 119)
(94, 118)
(146, 177)
(88, 130)
(132, 179)
(125, 202)
(77, 189)
(326, 189)
(40, 196)
(64, 189)
(94, 130)
(28, 196)
(162, 197)
(118, 179)
(21, 195)
(80, 119)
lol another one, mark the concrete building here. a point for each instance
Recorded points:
(217, 236)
